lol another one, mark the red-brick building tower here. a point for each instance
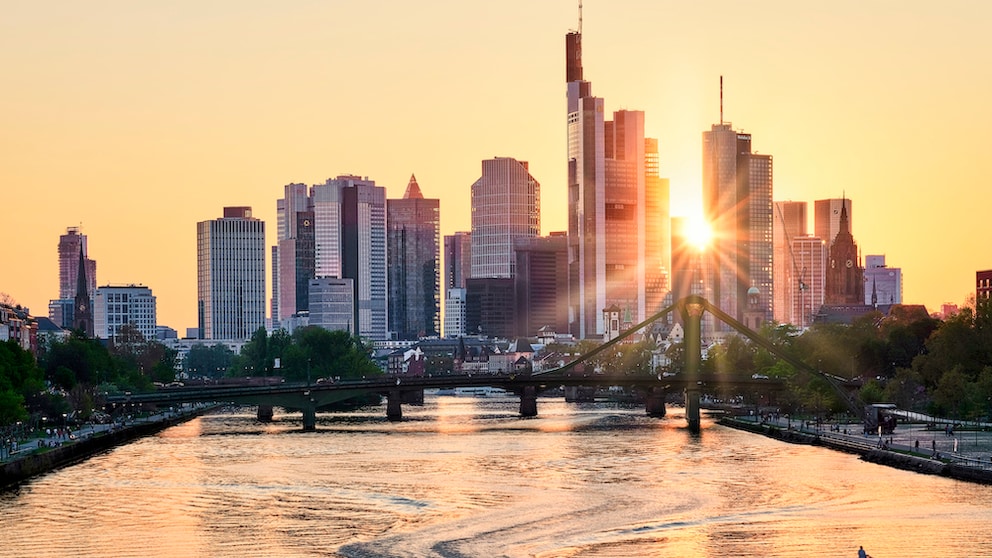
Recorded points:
(845, 283)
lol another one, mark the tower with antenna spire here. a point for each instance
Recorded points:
(737, 204)
(618, 223)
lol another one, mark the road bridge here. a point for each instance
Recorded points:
(308, 398)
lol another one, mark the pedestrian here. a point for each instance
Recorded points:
(917, 444)
(861, 552)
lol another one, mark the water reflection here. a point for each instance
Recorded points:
(467, 477)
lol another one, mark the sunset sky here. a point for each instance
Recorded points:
(135, 120)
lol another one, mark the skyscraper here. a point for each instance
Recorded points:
(617, 209)
(350, 217)
(295, 200)
(541, 283)
(457, 259)
(826, 218)
(231, 275)
(414, 253)
(336, 231)
(737, 203)
(807, 296)
(790, 222)
(61, 310)
(506, 205)
(69, 246)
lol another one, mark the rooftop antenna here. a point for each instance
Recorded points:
(721, 100)
(580, 17)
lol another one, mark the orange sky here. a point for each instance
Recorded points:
(135, 120)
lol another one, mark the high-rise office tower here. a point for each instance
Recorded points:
(810, 256)
(506, 205)
(296, 260)
(414, 253)
(69, 246)
(350, 240)
(231, 275)
(296, 199)
(826, 218)
(737, 203)
(457, 259)
(883, 284)
(337, 231)
(60, 310)
(844, 274)
(789, 222)
(541, 283)
(457, 270)
(617, 209)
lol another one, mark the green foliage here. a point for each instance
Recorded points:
(212, 361)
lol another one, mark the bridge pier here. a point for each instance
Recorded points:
(528, 401)
(394, 410)
(309, 418)
(264, 413)
(654, 403)
(692, 312)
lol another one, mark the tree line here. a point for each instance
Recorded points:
(70, 376)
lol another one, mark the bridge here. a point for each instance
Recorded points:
(308, 398)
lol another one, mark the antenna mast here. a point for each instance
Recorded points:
(580, 17)
(721, 100)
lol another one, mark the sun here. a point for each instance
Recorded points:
(699, 233)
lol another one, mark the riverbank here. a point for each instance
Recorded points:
(41, 460)
(891, 456)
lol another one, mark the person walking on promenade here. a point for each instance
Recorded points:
(862, 553)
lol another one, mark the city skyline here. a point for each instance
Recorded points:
(136, 122)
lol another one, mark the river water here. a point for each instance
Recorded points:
(466, 477)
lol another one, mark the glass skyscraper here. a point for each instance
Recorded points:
(230, 275)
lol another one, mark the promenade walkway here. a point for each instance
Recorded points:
(11, 450)
(968, 445)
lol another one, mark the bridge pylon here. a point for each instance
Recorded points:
(691, 308)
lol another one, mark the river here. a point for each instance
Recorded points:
(466, 477)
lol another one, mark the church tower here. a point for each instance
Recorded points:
(845, 275)
(82, 312)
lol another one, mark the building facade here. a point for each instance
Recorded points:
(117, 305)
(414, 263)
(489, 309)
(826, 217)
(810, 255)
(506, 205)
(883, 284)
(541, 283)
(789, 222)
(230, 275)
(331, 304)
(454, 313)
(457, 259)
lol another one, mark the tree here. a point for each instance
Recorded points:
(210, 361)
